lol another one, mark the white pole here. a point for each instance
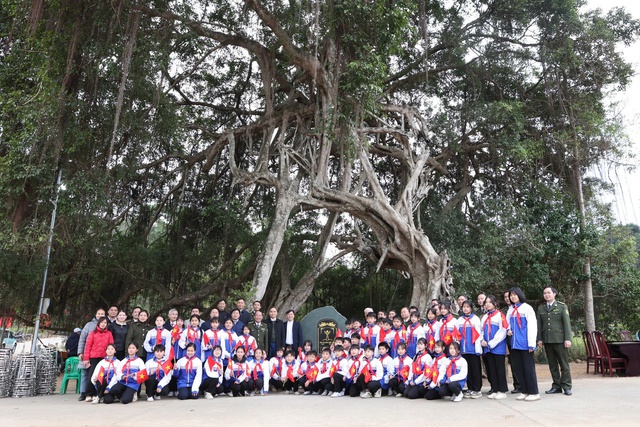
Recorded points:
(34, 343)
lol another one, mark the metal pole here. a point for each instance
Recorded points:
(34, 343)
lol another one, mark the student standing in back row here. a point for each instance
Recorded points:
(523, 329)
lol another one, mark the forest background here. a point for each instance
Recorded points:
(307, 153)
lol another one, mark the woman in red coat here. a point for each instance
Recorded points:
(95, 350)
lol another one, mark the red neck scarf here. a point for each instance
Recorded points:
(189, 365)
(517, 313)
(192, 334)
(159, 335)
(257, 369)
(451, 369)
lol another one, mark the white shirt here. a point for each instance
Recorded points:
(289, 338)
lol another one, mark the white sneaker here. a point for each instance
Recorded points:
(476, 394)
(297, 393)
(522, 396)
(366, 395)
(208, 395)
(149, 399)
(89, 399)
(157, 397)
(378, 393)
(532, 398)
(230, 394)
(362, 393)
(287, 392)
(342, 393)
(263, 393)
(399, 395)
(499, 396)
(491, 395)
(335, 394)
(459, 397)
(95, 400)
(135, 397)
(306, 393)
(467, 394)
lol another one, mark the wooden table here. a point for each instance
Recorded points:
(631, 351)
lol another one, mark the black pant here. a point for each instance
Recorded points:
(396, 385)
(100, 387)
(290, 385)
(450, 389)
(525, 368)
(432, 394)
(415, 391)
(338, 383)
(258, 384)
(325, 385)
(185, 393)
(120, 391)
(239, 389)
(474, 375)
(360, 385)
(277, 384)
(152, 384)
(90, 390)
(496, 372)
(512, 363)
(212, 385)
(312, 387)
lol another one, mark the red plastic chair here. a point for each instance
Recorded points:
(592, 356)
(617, 363)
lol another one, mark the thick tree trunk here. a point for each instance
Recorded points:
(284, 204)
(430, 283)
(587, 286)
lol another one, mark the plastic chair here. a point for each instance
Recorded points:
(72, 371)
(592, 356)
(626, 335)
(617, 363)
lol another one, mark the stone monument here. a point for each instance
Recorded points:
(321, 326)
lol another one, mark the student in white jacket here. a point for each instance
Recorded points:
(260, 370)
(370, 373)
(453, 374)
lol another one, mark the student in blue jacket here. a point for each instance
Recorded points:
(523, 329)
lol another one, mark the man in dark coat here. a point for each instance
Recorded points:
(276, 333)
(245, 317)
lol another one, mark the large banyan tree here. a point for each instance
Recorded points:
(347, 114)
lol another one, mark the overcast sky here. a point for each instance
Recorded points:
(626, 200)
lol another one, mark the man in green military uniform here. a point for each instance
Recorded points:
(554, 333)
(259, 331)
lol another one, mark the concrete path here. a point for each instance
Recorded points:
(596, 401)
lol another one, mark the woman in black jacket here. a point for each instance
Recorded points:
(119, 330)
(138, 332)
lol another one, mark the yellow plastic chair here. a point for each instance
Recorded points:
(72, 371)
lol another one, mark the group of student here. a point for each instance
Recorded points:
(436, 358)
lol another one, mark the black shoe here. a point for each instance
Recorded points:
(553, 391)
(82, 397)
(568, 392)
(516, 391)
